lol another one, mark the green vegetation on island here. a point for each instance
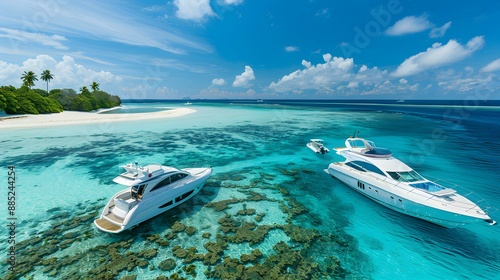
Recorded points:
(25, 100)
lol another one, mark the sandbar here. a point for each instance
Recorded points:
(76, 118)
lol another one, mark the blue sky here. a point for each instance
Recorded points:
(257, 49)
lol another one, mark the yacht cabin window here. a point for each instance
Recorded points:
(138, 190)
(365, 167)
(177, 177)
(182, 197)
(406, 176)
(170, 179)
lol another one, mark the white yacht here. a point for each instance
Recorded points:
(375, 173)
(317, 146)
(151, 190)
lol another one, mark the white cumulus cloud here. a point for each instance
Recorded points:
(67, 73)
(438, 55)
(353, 85)
(193, 9)
(409, 25)
(291, 48)
(218, 82)
(437, 32)
(244, 79)
(339, 76)
(465, 84)
(492, 66)
(334, 70)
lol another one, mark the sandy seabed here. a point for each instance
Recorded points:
(74, 118)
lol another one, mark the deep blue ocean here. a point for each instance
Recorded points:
(268, 210)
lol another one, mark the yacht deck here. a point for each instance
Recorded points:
(112, 217)
(107, 225)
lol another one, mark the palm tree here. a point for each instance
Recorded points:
(94, 86)
(47, 76)
(29, 78)
(84, 90)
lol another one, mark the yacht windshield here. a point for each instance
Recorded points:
(137, 190)
(407, 176)
(356, 143)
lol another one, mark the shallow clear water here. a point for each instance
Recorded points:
(261, 162)
(135, 108)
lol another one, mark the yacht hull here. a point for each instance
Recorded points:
(377, 190)
(147, 209)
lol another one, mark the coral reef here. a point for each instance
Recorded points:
(228, 224)
(190, 230)
(178, 227)
(298, 258)
(223, 204)
(293, 172)
(294, 208)
(156, 238)
(167, 265)
(250, 232)
(252, 257)
(148, 253)
(190, 270)
(244, 212)
(171, 235)
(285, 264)
(299, 234)
(259, 217)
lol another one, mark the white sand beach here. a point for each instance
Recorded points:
(76, 118)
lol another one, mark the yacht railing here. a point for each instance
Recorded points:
(470, 195)
(477, 200)
(203, 165)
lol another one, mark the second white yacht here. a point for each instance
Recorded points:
(375, 173)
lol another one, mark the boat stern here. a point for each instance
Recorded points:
(107, 226)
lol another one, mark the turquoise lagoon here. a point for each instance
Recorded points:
(268, 207)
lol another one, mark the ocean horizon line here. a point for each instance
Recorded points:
(401, 102)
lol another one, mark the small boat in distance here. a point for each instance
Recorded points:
(400, 101)
(317, 146)
(188, 103)
(151, 190)
(375, 173)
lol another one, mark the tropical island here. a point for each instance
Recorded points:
(26, 100)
